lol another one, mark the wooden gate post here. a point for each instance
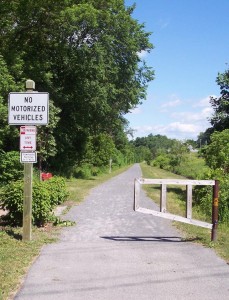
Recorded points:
(215, 210)
(163, 198)
(189, 201)
(137, 190)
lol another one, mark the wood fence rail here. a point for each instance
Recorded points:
(164, 214)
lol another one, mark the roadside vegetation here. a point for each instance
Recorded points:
(205, 158)
(176, 203)
(94, 76)
(16, 256)
(89, 63)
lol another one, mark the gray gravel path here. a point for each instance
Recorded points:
(115, 253)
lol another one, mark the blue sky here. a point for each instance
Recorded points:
(191, 43)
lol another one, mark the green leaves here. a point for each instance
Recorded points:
(10, 167)
(85, 54)
(220, 118)
(46, 196)
(46, 143)
(100, 149)
(217, 153)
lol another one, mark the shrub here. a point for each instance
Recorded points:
(224, 200)
(118, 159)
(100, 148)
(192, 166)
(10, 167)
(57, 190)
(83, 171)
(41, 204)
(46, 195)
(203, 195)
(11, 199)
(203, 198)
(95, 171)
(162, 161)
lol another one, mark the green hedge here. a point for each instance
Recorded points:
(10, 167)
(46, 196)
(203, 196)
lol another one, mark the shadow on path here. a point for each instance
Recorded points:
(170, 239)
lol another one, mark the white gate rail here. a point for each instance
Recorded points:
(162, 213)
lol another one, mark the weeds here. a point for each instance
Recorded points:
(176, 205)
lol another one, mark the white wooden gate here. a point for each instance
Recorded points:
(163, 213)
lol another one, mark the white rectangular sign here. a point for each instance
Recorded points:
(28, 108)
(28, 138)
(28, 157)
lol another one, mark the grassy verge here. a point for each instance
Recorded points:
(176, 204)
(16, 256)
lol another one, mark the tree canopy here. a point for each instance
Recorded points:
(220, 119)
(156, 143)
(217, 153)
(85, 53)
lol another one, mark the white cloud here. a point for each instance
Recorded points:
(163, 23)
(136, 111)
(178, 130)
(205, 101)
(182, 127)
(175, 130)
(178, 124)
(202, 115)
(171, 127)
(171, 103)
(142, 54)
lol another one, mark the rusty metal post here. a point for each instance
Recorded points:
(215, 210)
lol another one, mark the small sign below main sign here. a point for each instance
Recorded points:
(28, 108)
(28, 138)
(28, 157)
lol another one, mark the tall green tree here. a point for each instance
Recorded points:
(8, 134)
(85, 54)
(103, 46)
(46, 142)
(100, 149)
(216, 153)
(220, 119)
(203, 138)
(156, 143)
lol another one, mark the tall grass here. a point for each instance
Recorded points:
(176, 205)
(192, 166)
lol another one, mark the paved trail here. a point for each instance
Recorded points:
(114, 253)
